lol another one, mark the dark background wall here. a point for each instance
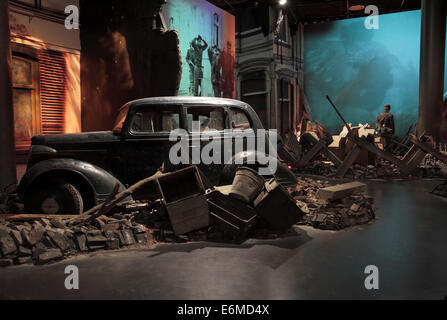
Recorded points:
(124, 56)
(364, 69)
(7, 150)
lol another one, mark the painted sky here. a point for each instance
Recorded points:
(362, 70)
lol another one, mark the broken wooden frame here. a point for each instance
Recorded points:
(317, 146)
(407, 164)
(183, 195)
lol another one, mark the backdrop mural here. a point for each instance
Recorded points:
(362, 70)
(207, 36)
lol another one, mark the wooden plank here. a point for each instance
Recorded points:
(331, 156)
(415, 160)
(410, 153)
(106, 206)
(31, 217)
(340, 190)
(349, 161)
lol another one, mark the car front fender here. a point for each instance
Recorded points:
(100, 182)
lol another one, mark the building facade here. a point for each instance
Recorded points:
(45, 70)
(269, 68)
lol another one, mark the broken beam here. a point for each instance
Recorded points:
(380, 153)
(324, 150)
(427, 148)
(349, 161)
(415, 159)
(312, 152)
(31, 217)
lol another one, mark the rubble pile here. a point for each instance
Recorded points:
(355, 209)
(193, 213)
(361, 153)
(431, 167)
(44, 240)
(382, 170)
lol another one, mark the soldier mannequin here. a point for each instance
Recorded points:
(385, 124)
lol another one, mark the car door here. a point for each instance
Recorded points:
(146, 144)
(242, 130)
(206, 125)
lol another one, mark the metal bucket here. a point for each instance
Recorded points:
(247, 184)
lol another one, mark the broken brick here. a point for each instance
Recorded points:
(7, 244)
(34, 236)
(128, 237)
(81, 242)
(22, 251)
(50, 255)
(58, 239)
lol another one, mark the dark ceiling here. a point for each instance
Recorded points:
(314, 11)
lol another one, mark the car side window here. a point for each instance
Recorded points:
(152, 119)
(209, 118)
(239, 119)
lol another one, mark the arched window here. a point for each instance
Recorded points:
(254, 92)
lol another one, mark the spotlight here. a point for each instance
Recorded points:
(282, 2)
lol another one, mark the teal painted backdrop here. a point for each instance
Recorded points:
(362, 70)
(208, 60)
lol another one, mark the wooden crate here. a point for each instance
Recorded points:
(183, 194)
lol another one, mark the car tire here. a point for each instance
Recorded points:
(56, 197)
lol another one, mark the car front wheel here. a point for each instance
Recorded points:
(55, 197)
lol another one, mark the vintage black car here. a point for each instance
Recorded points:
(69, 173)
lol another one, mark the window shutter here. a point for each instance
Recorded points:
(52, 91)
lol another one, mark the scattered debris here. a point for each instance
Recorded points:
(331, 214)
(43, 241)
(184, 212)
(381, 170)
(360, 146)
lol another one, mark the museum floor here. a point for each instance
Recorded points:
(407, 242)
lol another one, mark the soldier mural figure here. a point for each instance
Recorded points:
(226, 63)
(385, 125)
(214, 55)
(194, 59)
(190, 60)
